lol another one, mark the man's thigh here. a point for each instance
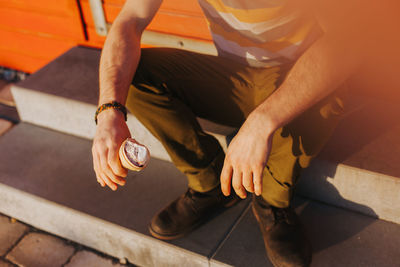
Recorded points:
(214, 88)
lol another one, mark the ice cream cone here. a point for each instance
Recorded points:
(133, 155)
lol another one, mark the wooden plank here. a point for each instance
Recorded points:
(94, 40)
(23, 62)
(173, 22)
(189, 6)
(31, 47)
(56, 8)
(67, 27)
(195, 27)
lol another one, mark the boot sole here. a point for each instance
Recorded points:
(193, 227)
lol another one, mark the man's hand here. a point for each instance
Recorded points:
(247, 157)
(111, 132)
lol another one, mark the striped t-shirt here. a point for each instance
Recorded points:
(260, 33)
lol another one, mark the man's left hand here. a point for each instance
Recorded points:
(247, 156)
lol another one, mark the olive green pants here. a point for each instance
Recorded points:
(172, 87)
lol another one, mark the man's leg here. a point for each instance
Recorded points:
(171, 87)
(296, 144)
(293, 147)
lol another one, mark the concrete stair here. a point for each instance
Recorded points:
(358, 168)
(47, 180)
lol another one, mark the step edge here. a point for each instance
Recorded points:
(342, 185)
(23, 200)
(222, 138)
(21, 93)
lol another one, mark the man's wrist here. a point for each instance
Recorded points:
(265, 119)
(110, 114)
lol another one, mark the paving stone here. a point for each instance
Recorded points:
(5, 125)
(40, 250)
(9, 233)
(5, 264)
(87, 258)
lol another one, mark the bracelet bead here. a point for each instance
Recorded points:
(114, 105)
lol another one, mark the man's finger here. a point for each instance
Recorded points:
(257, 180)
(115, 164)
(247, 180)
(110, 183)
(100, 181)
(237, 184)
(226, 176)
(96, 168)
(105, 168)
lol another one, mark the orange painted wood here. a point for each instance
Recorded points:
(191, 6)
(183, 18)
(35, 32)
(32, 47)
(15, 60)
(53, 7)
(40, 30)
(94, 40)
(67, 27)
(192, 27)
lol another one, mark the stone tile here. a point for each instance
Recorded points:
(87, 258)
(68, 179)
(9, 233)
(338, 237)
(41, 250)
(5, 264)
(5, 125)
(6, 97)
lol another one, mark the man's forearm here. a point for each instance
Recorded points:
(317, 73)
(118, 62)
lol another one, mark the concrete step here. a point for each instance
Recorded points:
(63, 96)
(339, 238)
(357, 169)
(47, 181)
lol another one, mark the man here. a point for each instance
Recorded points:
(279, 77)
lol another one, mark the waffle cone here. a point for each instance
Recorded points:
(125, 162)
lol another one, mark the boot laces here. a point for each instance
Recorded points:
(282, 215)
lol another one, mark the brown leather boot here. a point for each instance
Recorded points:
(285, 242)
(188, 212)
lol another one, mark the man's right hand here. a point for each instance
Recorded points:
(111, 132)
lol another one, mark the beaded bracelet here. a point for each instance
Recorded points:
(114, 105)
